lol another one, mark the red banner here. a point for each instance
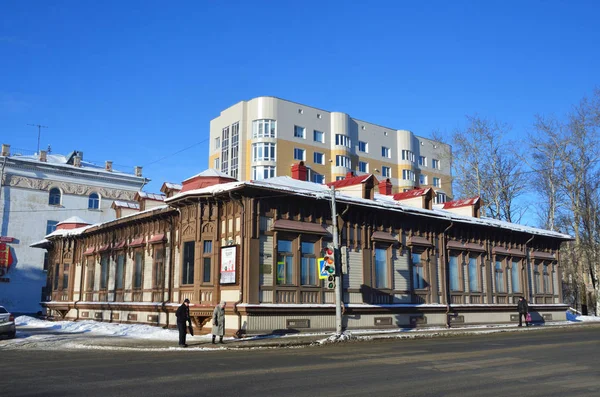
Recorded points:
(6, 258)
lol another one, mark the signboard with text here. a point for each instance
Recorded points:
(228, 264)
(6, 260)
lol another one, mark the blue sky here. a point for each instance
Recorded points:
(136, 81)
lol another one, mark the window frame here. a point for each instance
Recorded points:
(187, 263)
(138, 274)
(315, 155)
(386, 171)
(363, 147)
(322, 135)
(365, 168)
(94, 202)
(158, 265)
(379, 272)
(104, 271)
(419, 280)
(499, 274)
(386, 152)
(54, 196)
(297, 129)
(298, 151)
(477, 279)
(207, 256)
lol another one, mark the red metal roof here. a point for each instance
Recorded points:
(350, 181)
(411, 194)
(461, 203)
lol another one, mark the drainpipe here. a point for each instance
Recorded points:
(171, 268)
(528, 268)
(447, 271)
(238, 333)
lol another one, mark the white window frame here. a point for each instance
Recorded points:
(365, 168)
(315, 132)
(217, 163)
(386, 172)
(364, 148)
(264, 128)
(435, 164)
(423, 161)
(437, 182)
(260, 170)
(298, 151)
(422, 179)
(343, 161)
(322, 158)
(343, 140)
(386, 152)
(263, 151)
(297, 129)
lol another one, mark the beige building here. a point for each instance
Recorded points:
(261, 138)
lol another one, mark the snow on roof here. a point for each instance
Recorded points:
(73, 219)
(318, 191)
(151, 196)
(210, 172)
(461, 203)
(68, 232)
(125, 204)
(350, 181)
(174, 186)
(411, 193)
(63, 161)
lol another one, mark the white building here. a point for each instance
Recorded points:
(36, 193)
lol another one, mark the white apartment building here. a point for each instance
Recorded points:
(36, 193)
(261, 138)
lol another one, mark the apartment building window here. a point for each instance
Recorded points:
(206, 261)
(385, 152)
(423, 161)
(343, 161)
(308, 264)
(515, 277)
(363, 166)
(343, 140)
(263, 172)
(285, 262)
(499, 276)
(363, 147)
(435, 164)
(299, 132)
(103, 271)
(218, 142)
(381, 268)
(340, 178)
(317, 178)
(437, 182)
(263, 151)
(299, 154)
(473, 274)
(386, 172)
(51, 226)
(93, 201)
(54, 196)
(319, 158)
(418, 266)
(216, 164)
(408, 175)
(225, 150)
(408, 155)
(187, 271)
(264, 128)
(422, 179)
(235, 138)
(138, 270)
(318, 136)
(440, 198)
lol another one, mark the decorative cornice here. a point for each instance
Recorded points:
(67, 188)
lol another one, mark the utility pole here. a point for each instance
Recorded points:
(39, 133)
(338, 270)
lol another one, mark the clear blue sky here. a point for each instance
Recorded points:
(134, 81)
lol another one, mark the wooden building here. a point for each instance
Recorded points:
(405, 262)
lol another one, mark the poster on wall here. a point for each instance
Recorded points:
(228, 265)
(6, 260)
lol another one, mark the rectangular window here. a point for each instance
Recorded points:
(263, 172)
(235, 146)
(299, 154)
(319, 158)
(317, 178)
(90, 274)
(308, 268)
(435, 164)
(138, 270)
(218, 142)
(285, 263)
(343, 140)
(263, 151)
(423, 161)
(187, 273)
(418, 280)
(386, 172)
(363, 147)
(453, 273)
(516, 284)
(65, 280)
(207, 261)
(51, 226)
(264, 129)
(385, 152)
(318, 136)
(56, 276)
(340, 178)
(46, 262)
(363, 166)
(546, 280)
(299, 132)
(216, 164)
(343, 161)
(120, 271)
(225, 150)
(381, 266)
(440, 198)
(408, 175)
(473, 274)
(159, 266)
(104, 271)
(437, 182)
(422, 179)
(499, 276)
(408, 155)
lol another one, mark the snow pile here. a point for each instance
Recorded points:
(335, 338)
(586, 318)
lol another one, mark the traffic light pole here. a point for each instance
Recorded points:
(338, 279)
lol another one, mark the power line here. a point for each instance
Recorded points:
(177, 152)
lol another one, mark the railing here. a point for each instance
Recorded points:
(380, 298)
(187, 294)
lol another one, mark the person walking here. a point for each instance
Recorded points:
(183, 317)
(523, 310)
(218, 318)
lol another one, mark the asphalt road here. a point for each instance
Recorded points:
(548, 362)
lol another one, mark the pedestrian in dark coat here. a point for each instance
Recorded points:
(523, 309)
(183, 317)
(218, 319)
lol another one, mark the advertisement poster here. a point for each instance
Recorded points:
(228, 265)
(6, 261)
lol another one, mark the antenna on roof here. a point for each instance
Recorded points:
(39, 133)
(49, 150)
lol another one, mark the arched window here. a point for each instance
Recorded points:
(94, 201)
(54, 198)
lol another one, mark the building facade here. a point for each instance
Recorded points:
(36, 193)
(405, 262)
(260, 138)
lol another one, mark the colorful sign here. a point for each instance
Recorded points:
(321, 268)
(6, 259)
(228, 264)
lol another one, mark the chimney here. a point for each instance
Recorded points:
(108, 166)
(77, 161)
(43, 157)
(138, 170)
(5, 149)
(385, 187)
(299, 171)
(350, 174)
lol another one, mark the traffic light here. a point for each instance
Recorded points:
(329, 267)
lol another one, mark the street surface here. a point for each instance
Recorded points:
(544, 362)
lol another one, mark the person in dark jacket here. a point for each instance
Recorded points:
(523, 309)
(183, 317)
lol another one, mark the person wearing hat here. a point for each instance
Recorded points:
(183, 316)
